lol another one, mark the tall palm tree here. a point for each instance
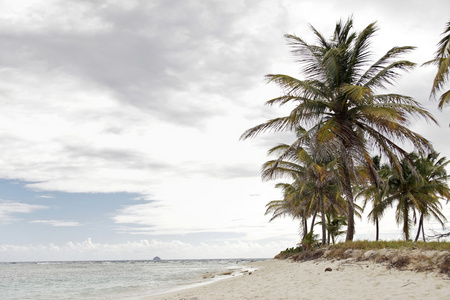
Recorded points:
(442, 61)
(315, 180)
(338, 105)
(375, 191)
(403, 188)
(292, 204)
(433, 188)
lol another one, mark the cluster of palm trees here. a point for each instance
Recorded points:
(340, 118)
(415, 191)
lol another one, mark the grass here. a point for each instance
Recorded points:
(376, 245)
(401, 257)
(373, 245)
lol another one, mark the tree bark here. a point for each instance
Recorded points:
(324, 225)
(377, 228)
(423, 232)
(405, 223)
(350, 204)
(313, 220)
(420, 227)
(305, 227)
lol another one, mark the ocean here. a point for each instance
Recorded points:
(124, 280)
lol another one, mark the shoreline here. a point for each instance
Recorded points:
(208, 279)
(320, 278)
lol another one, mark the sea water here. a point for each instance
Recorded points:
(108, 279)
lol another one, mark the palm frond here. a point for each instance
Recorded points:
(379, 65)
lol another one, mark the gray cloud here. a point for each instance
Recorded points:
(167, 58)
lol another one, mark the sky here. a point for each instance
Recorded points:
(121, 120)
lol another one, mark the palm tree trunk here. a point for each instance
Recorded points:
(305, 227)
(405, 223)
(313, 220)
(377, 229)
(350, 204)
(423, 232)
(324, 225)
(420, 227)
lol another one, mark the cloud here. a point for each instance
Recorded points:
(143, 249)
(8, 209)
(51, 17)
(56, 223)
(159, 94)
(175, 61)
(205, 205)
(48, 196)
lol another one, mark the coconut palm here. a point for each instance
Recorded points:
(374, 191)
(442, 61)
(417, 190)
(315, 180)
(338, 105)
(292, 204)
(334, 224)
(403, 188)
(433, 187)
(310, 179)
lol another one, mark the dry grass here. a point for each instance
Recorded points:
(375, 245)
(402, 255)
(400, 262)
(444, 266)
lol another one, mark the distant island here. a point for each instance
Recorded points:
(156, 258)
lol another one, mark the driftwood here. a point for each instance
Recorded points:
(439, 236)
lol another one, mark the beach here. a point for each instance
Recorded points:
(320, 279)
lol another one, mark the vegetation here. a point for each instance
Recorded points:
(373, 245)
(393, 254)
(314, 188)
(340, 115)
(442, 61)
(347, 144)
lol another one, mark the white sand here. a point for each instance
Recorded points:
(283, 279)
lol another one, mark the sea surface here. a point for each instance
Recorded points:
(128, 280)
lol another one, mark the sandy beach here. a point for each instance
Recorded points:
(348, 279)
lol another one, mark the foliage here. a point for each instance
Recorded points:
(416, 190)
(374, 245)
(377, 245)
(289, 252)
(442, 61)
(338, 109)
(310, 240)
(334, 226)
(314, 187)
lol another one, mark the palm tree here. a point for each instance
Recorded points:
(314, 180)
(433, 188)
(334, 226)
(292, 204)
(338, 107)
(442, 61)
(403, 187)
(375, 191)
(417, 190)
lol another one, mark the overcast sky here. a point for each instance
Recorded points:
(121, 120)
